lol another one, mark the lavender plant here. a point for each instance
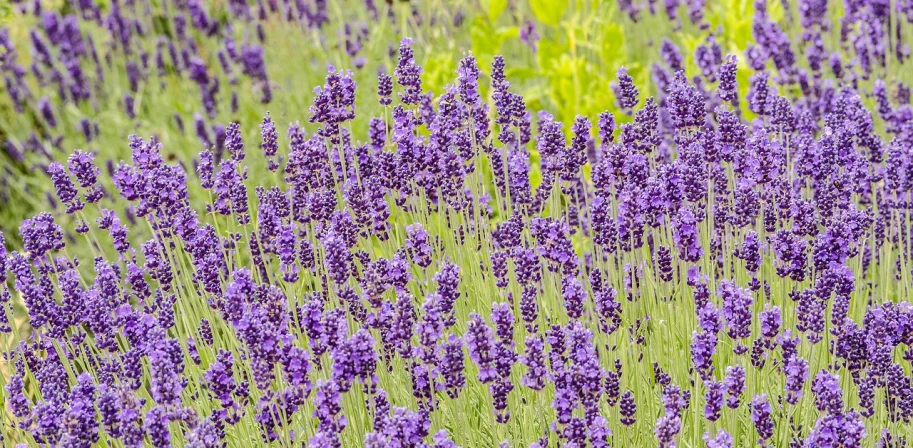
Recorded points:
(184, 70)
(390, 293)
(470, 276)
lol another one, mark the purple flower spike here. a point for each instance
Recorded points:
(408, 74)
(480, 342)
(41, 235)
(828, 392)
(417, 245)
(735, 386)
(625, 90)
(721, 440)
(64, 187)
(628, 409)
(796, 375)
(737, 304)
(760, 416)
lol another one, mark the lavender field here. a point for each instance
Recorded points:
(310, 223)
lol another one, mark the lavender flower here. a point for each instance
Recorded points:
(338, 257)
(41, 235)
(628, 409)
(64, 187)
(417, 245)
(737, 304)
(760, 416)
(721, 440)
(574, 296)
(625, 90)
(408, 73)
(828, 393)
(480, 342)
(796, 375)
(735, 385)
(307, 303)
(714, 401)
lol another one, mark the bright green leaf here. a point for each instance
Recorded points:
(485, 41)
(612, 50)
(549, 12)
(494, 8)
(506, 33)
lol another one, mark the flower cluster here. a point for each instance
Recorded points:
(710, 266)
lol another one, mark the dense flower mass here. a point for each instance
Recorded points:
(718, 265)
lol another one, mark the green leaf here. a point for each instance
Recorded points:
(507, 33)
(494, 8)
(484, 39)
(549, 12)
(613, 52)
(522, 73)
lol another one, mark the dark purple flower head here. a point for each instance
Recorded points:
(408, 74)
(727, 89)
(685, 104)
(233, 141)
(156, 425)
(3, 258)
(355, 359)
(703, 347)
(721, 440)
(335, 101)
(269, 136)
(625, 90)
(130, 106)
(714, 400)
(666, 428)
(254, 66)
(737, 305)
(735, 385)
(231, 191)
(574, 296)
(111, 222)
(671, 54)
(628, 409)
(79, 422)
(759, 94)
(686, 236)
(828, 392)
(770, 321)
(40, 235)
(760, 416)
(47, 112)
(417, 245)
(207, 433)
(842, 429)
(709, 56)
(64, 187)
(219, 378)
(480, 342)
(452, 364)
(796, 371)
(709, 318)
(468, 74)
(206, 169)
(385, 89)
(534, 360)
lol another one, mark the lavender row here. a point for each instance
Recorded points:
(65, 67)
(682, 272)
